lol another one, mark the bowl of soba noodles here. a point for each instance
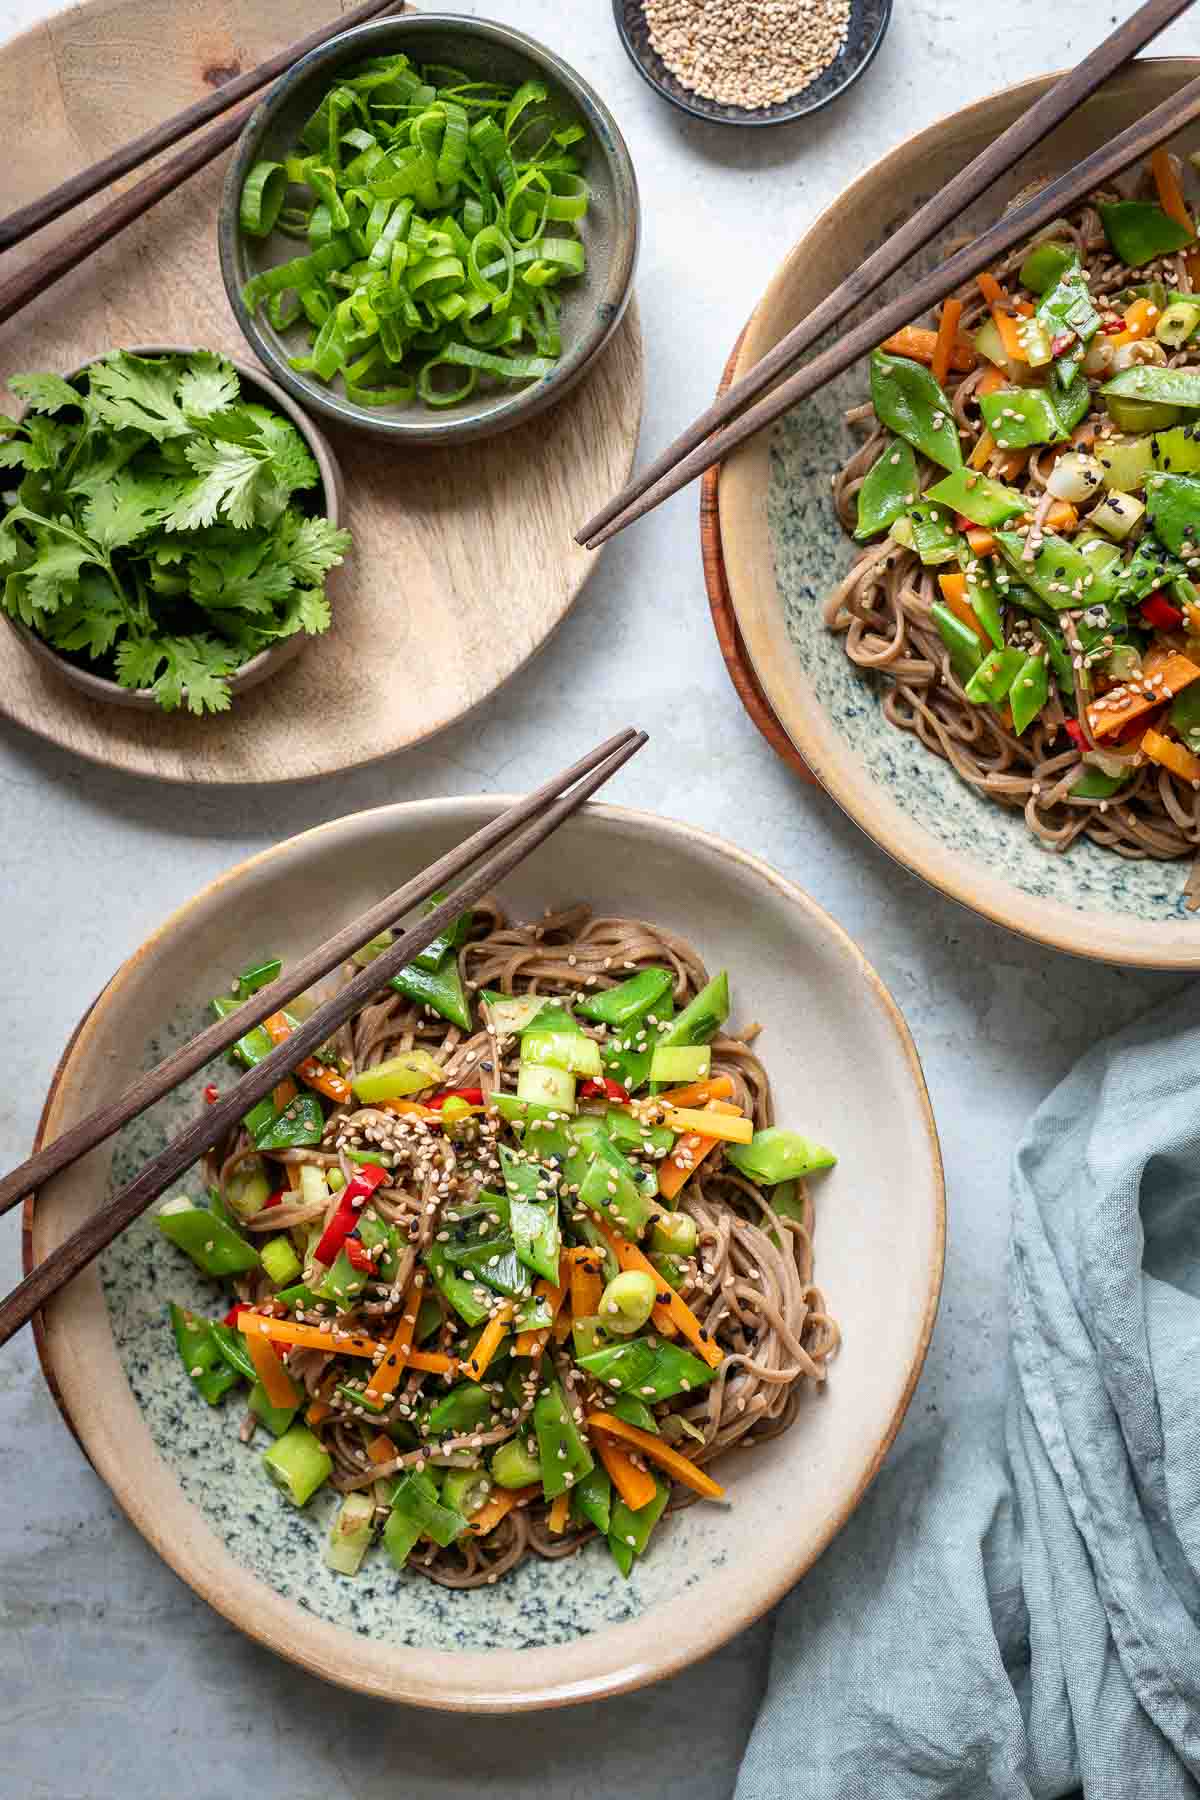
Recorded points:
(967, 573)
(547, 1328)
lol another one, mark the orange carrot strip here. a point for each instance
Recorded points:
(1172, 756)
(983, 452)
(670, 1307)
(1062, 516)
(309, 1337)
(278, 1385)
(658, 1450)
(673, 1173)
(1004, 322)
(431, 1362)
(1139, 323)
(954, 593)
(981, 541)
(312, 1073)
(281, 1095)
(318, 1412)
(500, 1505)
(586, 1289)
(1170, 194)
(532, 1343)
(399, 1351)
(636, 1486)
(920, 344)
(697, 1093)
(1123, 704)
(947, 332)
(992, 381)
(560, 1513)
(493, 1335)
(381, 1449)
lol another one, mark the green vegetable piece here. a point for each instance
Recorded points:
(458, 1291)
(232, 1345)
(214, 1247)
(777, 1155)
(1141, 415)
(1185, 717)
(464, 1408)
(546, 1086)
(1127, 461)
(200, 1354)
(1094, 784)
(442, 989)
(670, 1269)
(1067, 311)
(562, 1448)
(629, 1532)
(277, 1419)
(350, 1533)
(280, 1261)
(1173, 505)
(344, 1283)
(397, 1078)
(513, 1466)
(297, 1464)
(983, 593)
(680, 1063)
(301, 1122)
(375, 1233)
(991, 681)
(258, 975)
(254, 1045)
(701, 1018)
(1060, 656)
(966, 651)
(630, 1000)
(1045, 265)
(1021, 417)
(1178, 324)
(591, 1499)
(1148, 385)
(447, 942)
(935, 539)
(571, 1051)
(678, 1235)
(521, 1112)
(533, 1197)
(1059, 573)
(634, 1412)
(354, 1394)
(611, 1189)
(978, 498)
(889, 489)
(1030, 691)
(628, 1301)
(909, 402)
(1138, 231)
(650, 1372)
(465, 1491)
(524, 1012)
(416, 1496)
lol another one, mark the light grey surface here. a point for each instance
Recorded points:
(116, 1681)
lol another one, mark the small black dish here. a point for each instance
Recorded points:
(869, 20)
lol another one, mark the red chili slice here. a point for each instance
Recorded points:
(473, 1096)
(1157, 611)
(211, 1094)
(355, 1194)
(604, 1089)
(358, 1256)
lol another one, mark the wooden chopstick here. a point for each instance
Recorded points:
(120, 1209)
(657, 481)
(28, 219)
(102, 226)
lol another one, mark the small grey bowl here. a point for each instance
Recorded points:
(592, 306)
(869, 20)
(268, 662)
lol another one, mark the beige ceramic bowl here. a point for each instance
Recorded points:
(327, 498)
(784, 549)
(844, 1069)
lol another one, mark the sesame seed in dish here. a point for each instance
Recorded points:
(751, 53)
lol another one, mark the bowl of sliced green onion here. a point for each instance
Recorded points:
(429, 228)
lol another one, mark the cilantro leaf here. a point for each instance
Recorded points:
(208, 385)
(54, 572)
(91, 621)
(291, 463)
(138, 661)
(307, 610)
(47, 442)
(126, 509)
(14, 455)
(138, 393)
(44, 393)
(309, 547)
(234, 582)
(227, 479)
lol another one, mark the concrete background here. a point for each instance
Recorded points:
(116, 1681)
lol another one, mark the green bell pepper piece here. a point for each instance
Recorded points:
(934, 537)
(611, 1189)
(978, 498)
(991, 681)
(1045, 265)
(629, 1532)
(909, 402)
(889, 489)
(213, 1246)
(1059, 573)
(418, 1497)
(562, 1448)
(1173, 506)
(591, 1499)
(1030, 691)
(630, 1000)
(257, 975)
(298, 1464)
(777, 1155)
(200, 1354)
(1185, 717)
(1138, 231)
(533, 1211)
(441, 989)
(649, 1371)
(456, 1288)
(277, 1419)
(301, 1122)
(966, 651)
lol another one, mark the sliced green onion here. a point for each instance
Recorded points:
(262, 198)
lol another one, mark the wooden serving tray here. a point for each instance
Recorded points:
(464, 560)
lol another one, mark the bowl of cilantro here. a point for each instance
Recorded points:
(171, 520)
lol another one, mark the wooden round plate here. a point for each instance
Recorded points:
(464, 560)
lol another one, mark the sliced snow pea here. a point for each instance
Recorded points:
(991, 681)
(562, 1447)
(910, 402)
(978, 498)
(966, 651)
(1030, 691)
(200, 1354)
(1173, 506)
(890, 487)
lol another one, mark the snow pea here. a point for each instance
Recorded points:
(300, 1122)
(910, 402)
(982, 593)
(1151, 566)
(1153, 386)
(416, 1498)
(562, 1448)
(1185, 717)
(1059, 573)
(232, 1345)
(456, 1288)
(1045, 265)
(934, 537)
(441, 989)
(890, 486)
(978, 498)
(213, 1246)
(966, 651)
(1019, 418)
(446, 942)
(1094, 784)
(463, 1409)
(591, 1499)
(776, 1154)
(1139, 231)
(652, 1372)
(1060, 656)
(533, 1212)
(1067, 310)
(200, 1354)
(1173, 506)
(630, 1000)
(1030, 691)
(277, 1419)
(991, 681)
(629, 1532)
(257, 975)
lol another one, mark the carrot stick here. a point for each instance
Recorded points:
(1172, 756)
(314, 1074)
(636, 1486)
(947, 332)
(381, 1449)
(984, 450)
(278, 1385)
(586, 1289)
(659, 1451)
(1122, 705)
(500, 1505)
(992, 381)
(981, 541)
(731, 1128)
(673, 1171)
(309, 1337)
(560, 1512)
(493, 1335)
(1170, 194)
(669, 1309)
(954, 593)
(399, 1351)
(318, 1412)
(281, 1095)
(431, 1362)
(532, 1343)
(1004, 322)
(697, 1093)
(920, 344)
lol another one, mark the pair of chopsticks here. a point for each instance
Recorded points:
(504, 843)
(104, 225)
(740, 413)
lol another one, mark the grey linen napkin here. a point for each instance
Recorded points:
(1015, 1608)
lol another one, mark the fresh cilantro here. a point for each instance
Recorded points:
(153, 532)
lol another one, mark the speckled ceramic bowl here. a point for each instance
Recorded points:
(557, 1632)
(592, 305)
(784, 549)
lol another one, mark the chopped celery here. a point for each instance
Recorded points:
(298, 1464)
(350, 1534)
